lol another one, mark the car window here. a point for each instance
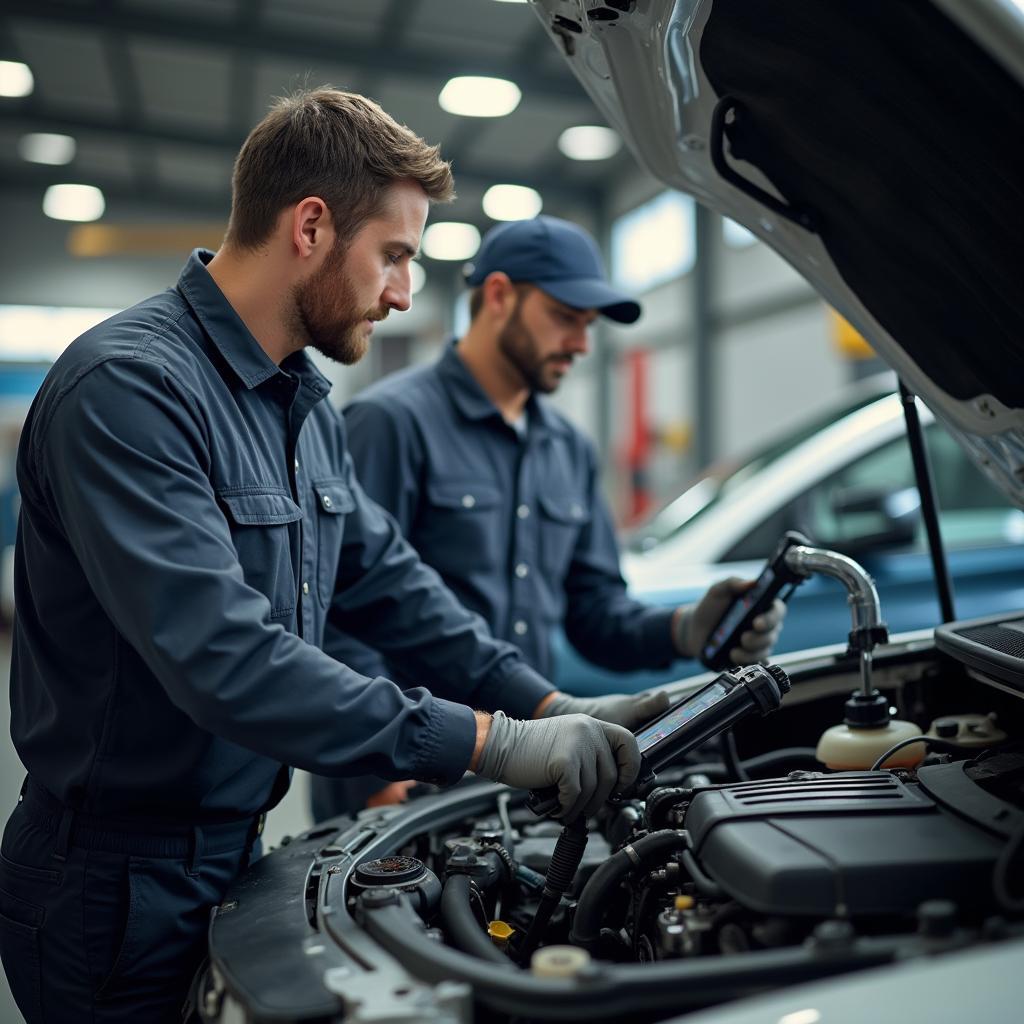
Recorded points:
(972, 512)
(701, 499)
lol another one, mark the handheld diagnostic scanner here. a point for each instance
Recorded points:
(754, 689)
(777, 578)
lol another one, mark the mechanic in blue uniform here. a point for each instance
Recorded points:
(190, 522)
(501, 494)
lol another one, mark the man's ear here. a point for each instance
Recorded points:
(311, 228)
(499, 294)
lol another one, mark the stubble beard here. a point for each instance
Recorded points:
(325, 315)
(518, 345)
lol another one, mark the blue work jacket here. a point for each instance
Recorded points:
(190, 522)
(513, 521)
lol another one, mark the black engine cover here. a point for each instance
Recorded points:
(843, 844)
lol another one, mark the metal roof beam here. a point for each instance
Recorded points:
(401, 59)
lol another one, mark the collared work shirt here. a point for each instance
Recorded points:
(190, 522)
(513, 521)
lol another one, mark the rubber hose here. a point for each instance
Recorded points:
(593, 901)
(461, 926)
(565, 862)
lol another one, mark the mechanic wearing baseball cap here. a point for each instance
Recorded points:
(501, 494)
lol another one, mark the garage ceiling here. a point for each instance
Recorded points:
(159, 94)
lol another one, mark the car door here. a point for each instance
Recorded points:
(847, 511)
(868, 509)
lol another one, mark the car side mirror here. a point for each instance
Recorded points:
(868, 518)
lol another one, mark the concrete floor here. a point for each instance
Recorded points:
(289, 818)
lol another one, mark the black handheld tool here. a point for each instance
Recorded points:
(775, 578)
(693, 720)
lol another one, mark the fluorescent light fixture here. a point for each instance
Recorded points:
(473, 96)
(451, 240)
(417, 277)
(74, 202)
(589, 142)
(44, 148)
(512, 202)
(15, 79)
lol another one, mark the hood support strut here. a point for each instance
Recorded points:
(929, 506)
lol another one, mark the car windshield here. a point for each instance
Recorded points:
(721, 478)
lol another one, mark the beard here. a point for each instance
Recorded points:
(519, 346)
(326, 315)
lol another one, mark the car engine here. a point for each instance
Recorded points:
(745, 869)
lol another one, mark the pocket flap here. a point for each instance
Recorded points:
(260, 508)
(334, 496)
(564, 508)
(466, 494)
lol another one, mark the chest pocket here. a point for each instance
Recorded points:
(460, 529)
(334, 502)
(259, 522)
(563, 516)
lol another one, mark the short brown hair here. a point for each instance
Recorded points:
(336, 145)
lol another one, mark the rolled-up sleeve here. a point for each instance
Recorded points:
(124, 463)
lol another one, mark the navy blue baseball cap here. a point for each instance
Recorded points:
(559, 258)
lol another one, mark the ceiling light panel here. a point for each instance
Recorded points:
(15, 79)
(450, 240)
(74, 202)
(46, 148)
(476, 96)
(512, 202)
(589, 142)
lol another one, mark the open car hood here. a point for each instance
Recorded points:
(877, 145)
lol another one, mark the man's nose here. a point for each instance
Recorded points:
(579, 340)
(398, 293)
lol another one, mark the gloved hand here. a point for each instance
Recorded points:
(626, 709)
(586, 759)
(694, 622)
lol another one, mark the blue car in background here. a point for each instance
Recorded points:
(847, 482)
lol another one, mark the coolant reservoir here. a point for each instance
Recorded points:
(851, 749)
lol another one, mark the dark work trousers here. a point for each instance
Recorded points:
(105, 921)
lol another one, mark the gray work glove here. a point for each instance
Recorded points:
(626, 709)
(695, 622)
(587, 760)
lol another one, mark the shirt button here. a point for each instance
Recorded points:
(296, 465)
(520, 628)
(523, 511)
(577, 511)
(327, 501)
(305, 587)
(468, 501)
(522, 570)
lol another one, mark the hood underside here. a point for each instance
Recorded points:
(877, 145)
